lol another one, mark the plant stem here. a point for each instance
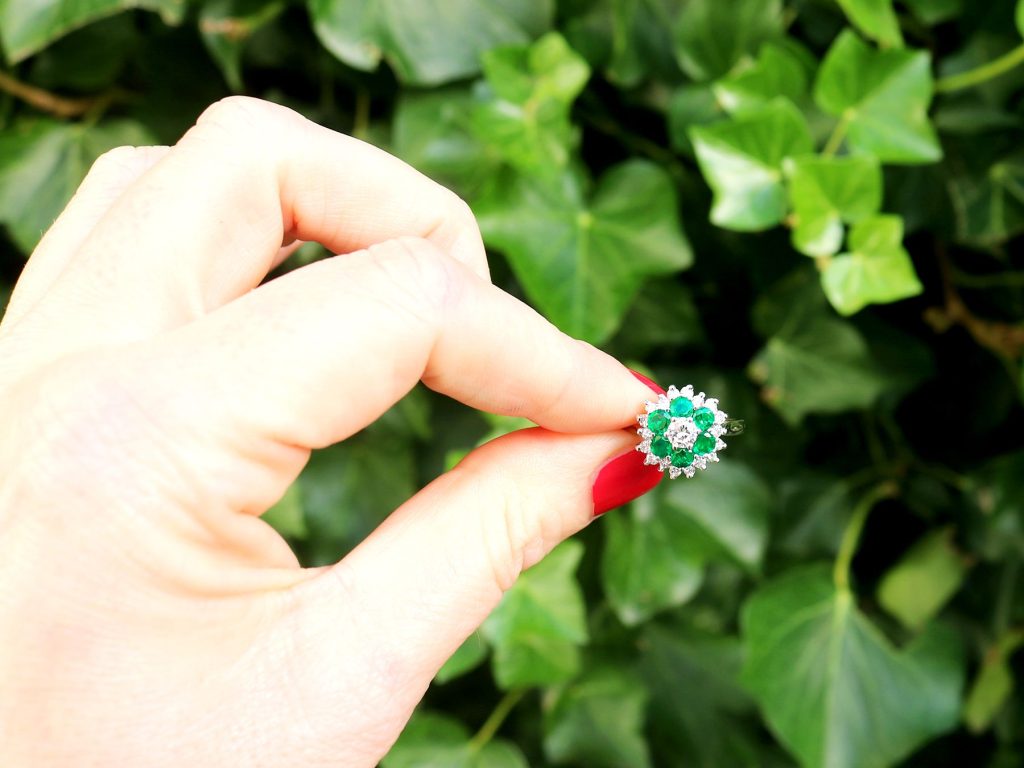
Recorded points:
(982, 74)
(58, 106)
(835, 139)
(851, 534)
(495, 719)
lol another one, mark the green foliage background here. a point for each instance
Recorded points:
(810, 208)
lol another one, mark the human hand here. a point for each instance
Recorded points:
(155, 402)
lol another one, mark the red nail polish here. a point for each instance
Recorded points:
(623, 479)
(648, 382)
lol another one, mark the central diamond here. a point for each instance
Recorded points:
(682, 433)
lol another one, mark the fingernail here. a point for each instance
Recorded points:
(658, 390)
(623, 479)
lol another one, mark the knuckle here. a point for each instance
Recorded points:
(243, 121)
(116, 160)
(418, 277)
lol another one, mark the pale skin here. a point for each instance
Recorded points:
(156, 399)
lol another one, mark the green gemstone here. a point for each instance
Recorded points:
(681, 406)
(661, 447)
(682, 458)
(703, 418)
(658, 421)
(704, 444)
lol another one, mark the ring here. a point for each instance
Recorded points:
(682, 432)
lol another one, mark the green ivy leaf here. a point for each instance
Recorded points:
(598, 721)
(582, 263)
(648, 564)
(426, 43)
(42, 162)
(691, 105)
(524, 113)
(27, 27)
(777, 72)
(729, 507)
(827, 191)
(882, 97)
(875, 270)
(934, 11)
(813, 362)
(990, 206)
(741, 159)
(538, 626)
(711, 36)
(431, 132)
(697, 710)
(925, 578)
(432, 740)
(226, 25)
(876, 19)
(830, 684)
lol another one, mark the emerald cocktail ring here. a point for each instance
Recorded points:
(682, 432)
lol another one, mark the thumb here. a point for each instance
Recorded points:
(433, 571)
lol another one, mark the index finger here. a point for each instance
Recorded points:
(205, 224)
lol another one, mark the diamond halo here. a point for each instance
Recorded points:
(681, 431)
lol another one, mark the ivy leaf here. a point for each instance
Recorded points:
(729, 508)
(691, 105)
(524, 112)
(832, 687)
(827, 191)
(876, 19)
(598, 721)
(876, 270)
(432, 740)
(427, 43)
(582, 263)
(935, 11)
(41, 165)
(813, 362)
(697, 710)
(538, 626)
(777, 72)
(226, 25)
(27, 27)
(741, 159)
(990, 206)
(431, 132)
(882, 97)
(711, 36)
(925, 578)
(648, 564)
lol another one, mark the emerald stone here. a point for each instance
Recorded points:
(658, 421)
(661, 447)
(682, 458)
(703, 418)
(704, 444)
(681, 406)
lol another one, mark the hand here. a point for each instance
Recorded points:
(155, 402)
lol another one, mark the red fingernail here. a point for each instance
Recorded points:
(648, 382)
(623, 479)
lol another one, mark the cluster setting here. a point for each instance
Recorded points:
(681, 431)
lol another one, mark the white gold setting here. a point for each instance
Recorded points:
(677, 436)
